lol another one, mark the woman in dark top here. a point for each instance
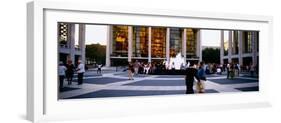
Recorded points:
(191, 72)
(69, 71)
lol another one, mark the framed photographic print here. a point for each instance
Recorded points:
(103, 61)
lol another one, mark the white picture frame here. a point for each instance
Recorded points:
(42, 104)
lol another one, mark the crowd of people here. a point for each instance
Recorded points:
(153, 68)
(232, 69)
(191, 71)
(67, 71)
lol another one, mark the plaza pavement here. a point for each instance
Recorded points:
(116, 84)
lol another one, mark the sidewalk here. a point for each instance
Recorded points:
(116, 84)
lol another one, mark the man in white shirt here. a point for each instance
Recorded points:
(99, 69)
(80, 70)
(61, 72)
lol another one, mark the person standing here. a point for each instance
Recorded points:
(191, 72)
(252, 69)
(99, 69)
(173, 68)
(69, 72)
(80, 71)
(61, 72)
(136, 67)
(146, 68)
(202, 77)
(239, 69)
(130, 71)
(231, 71)
(227, 70)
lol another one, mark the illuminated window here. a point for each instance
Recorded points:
(248, 42)
(63, 34)
(175, 41)
(120, 41)
(191, 42)
(140, 42)
(158, 42)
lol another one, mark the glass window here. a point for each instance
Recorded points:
(63, 34)
(140, 42)
(158, 42)
(191, 42)
(120, 41)
(175, 41)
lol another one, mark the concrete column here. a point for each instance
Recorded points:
(168, 44)
(137, 48)
(184, 44)
(230, 37)
(149, 44)
(240, 47)
(108, 45)
(82, 44)
(222, 47)
(71, 42)
(243, 41)
(198, 45)
(233, 43)
(254, 47)
(130, 43)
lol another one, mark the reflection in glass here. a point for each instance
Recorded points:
(140, 42)
(158, 42)
(120, 41)
(191, 42)
(175, 41)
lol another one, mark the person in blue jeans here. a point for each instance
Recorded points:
(202, 77)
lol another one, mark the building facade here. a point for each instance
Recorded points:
(71, 46)
(240, 47)
(149, 44)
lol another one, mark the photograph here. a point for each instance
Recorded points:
(108, 60)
